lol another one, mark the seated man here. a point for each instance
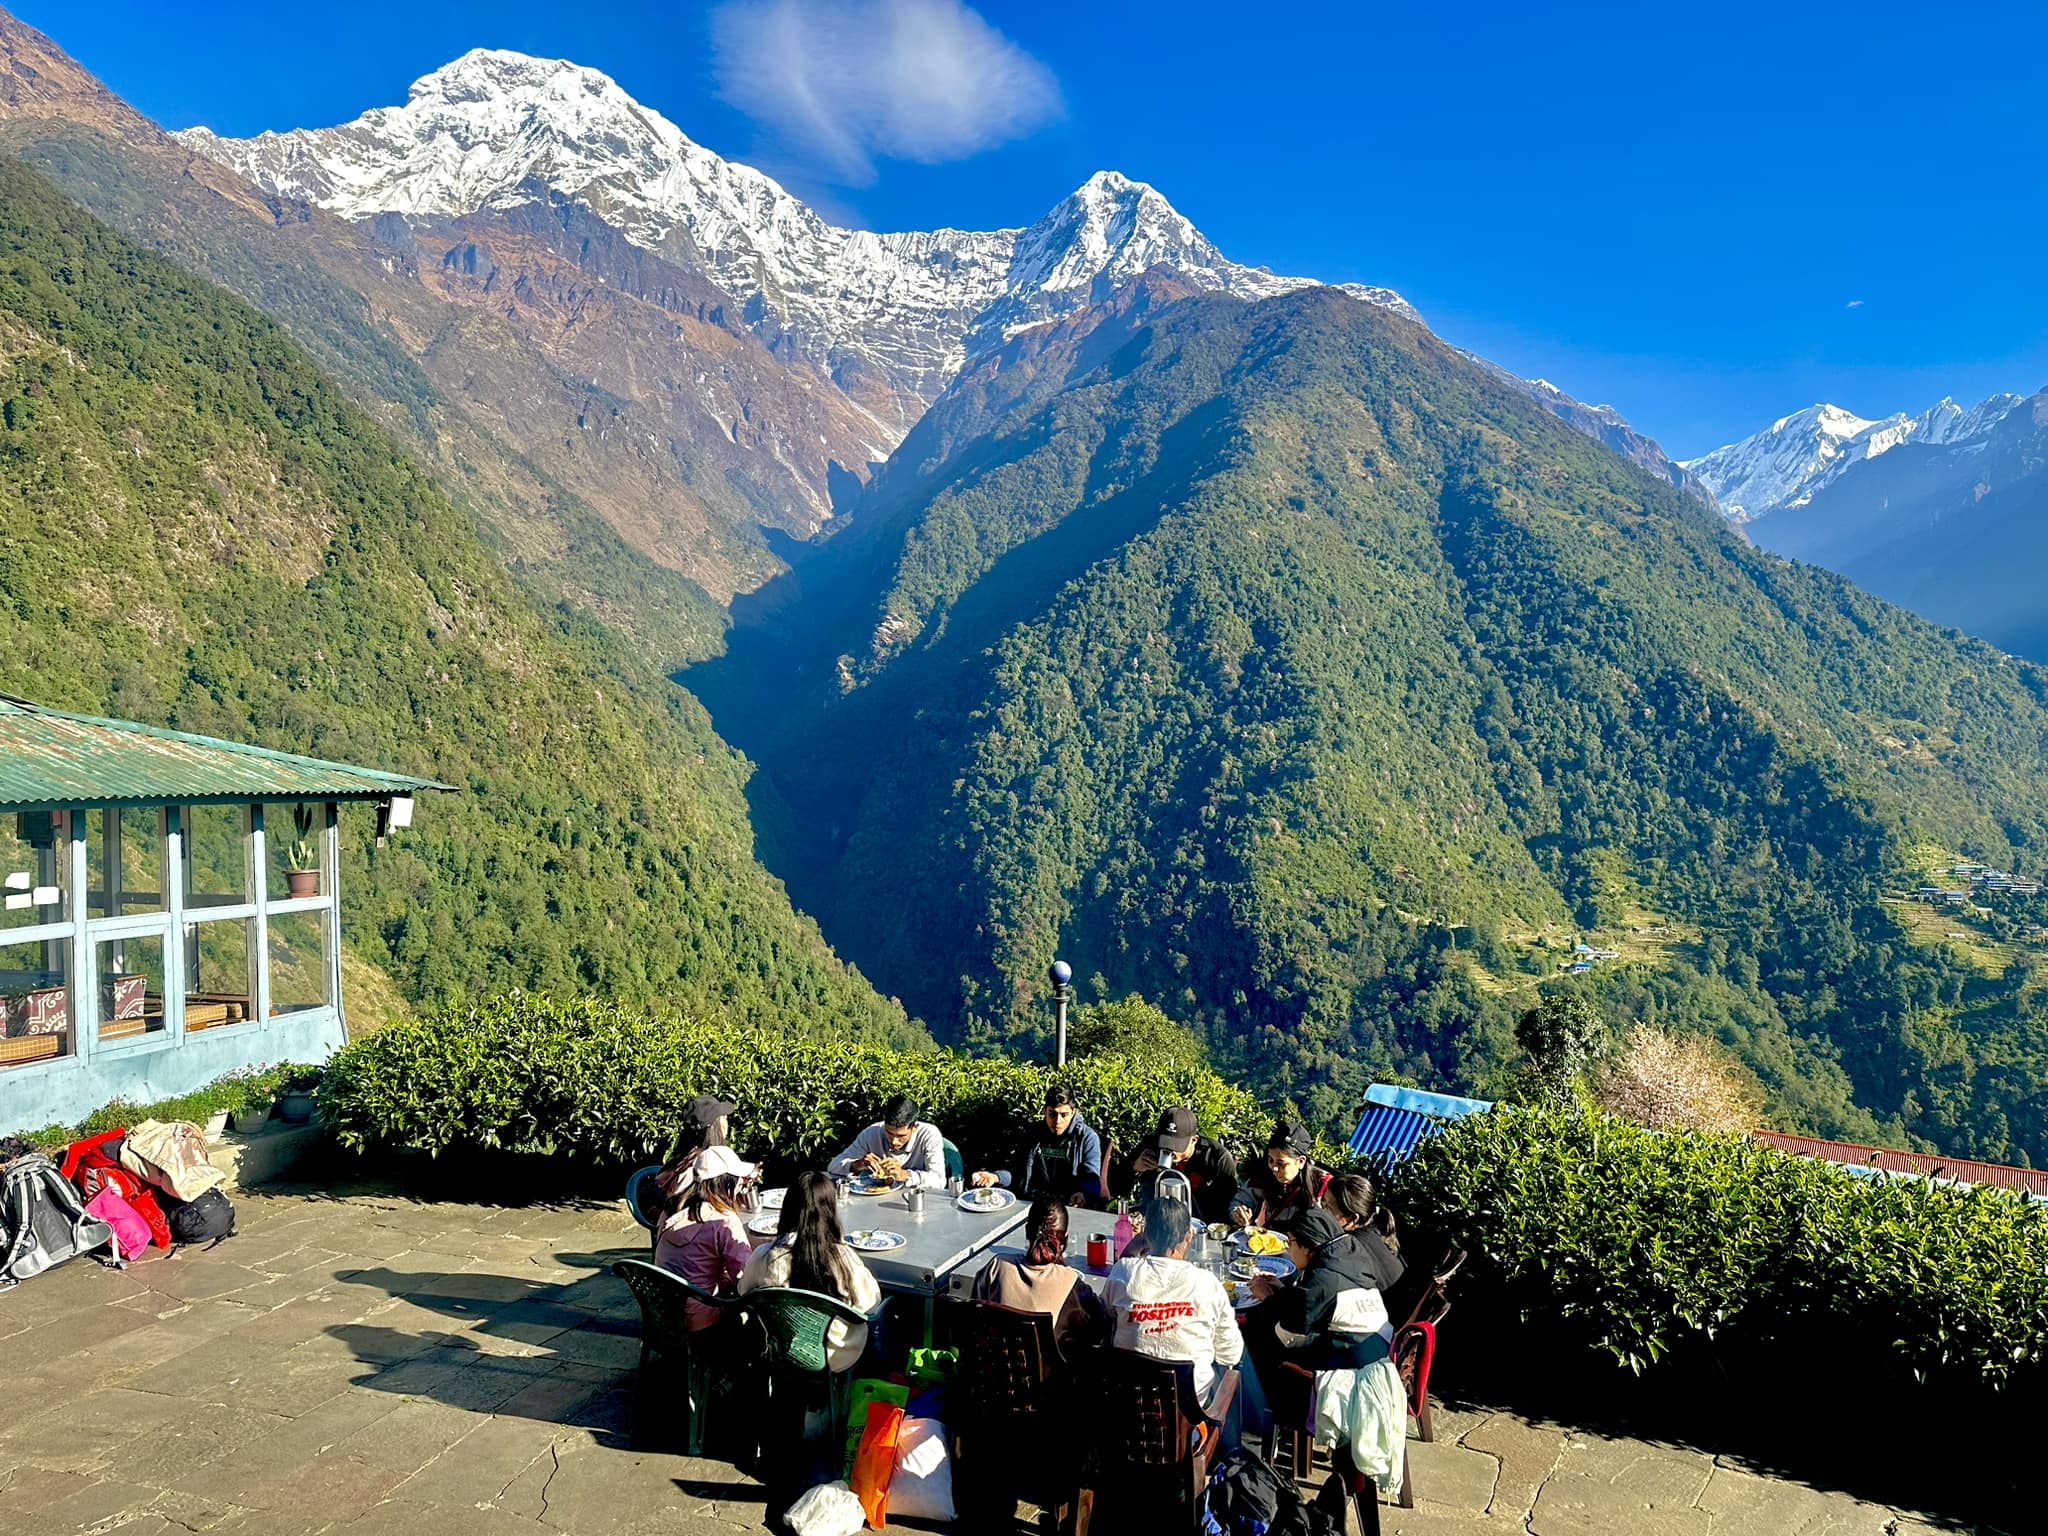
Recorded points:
(1178, 1144)
(1170, 1309)
(1064, 1161)
(898, 1147)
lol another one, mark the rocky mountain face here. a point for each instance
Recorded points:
(591, 320)
(892, 317)
(1951, 522)
(1787, 463)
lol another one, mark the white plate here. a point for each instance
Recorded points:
(984, 1202)
(875, 1242)
(770, 1199)
(765, 1224)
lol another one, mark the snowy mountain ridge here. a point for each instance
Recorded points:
(496, 129)
(1789, 461)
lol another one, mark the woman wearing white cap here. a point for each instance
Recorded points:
(705, 1240)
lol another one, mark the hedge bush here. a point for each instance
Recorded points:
(606, 1084)
(1642, 1244)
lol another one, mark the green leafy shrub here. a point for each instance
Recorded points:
(606, 1083)
(1644, 1244)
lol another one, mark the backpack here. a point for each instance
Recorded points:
(206, 1220)
(43, 1222)
(1246, 1497)
(1243, 1497)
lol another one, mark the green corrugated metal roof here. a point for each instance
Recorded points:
(50, 759)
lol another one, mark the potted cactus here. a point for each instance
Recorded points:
(302, 874)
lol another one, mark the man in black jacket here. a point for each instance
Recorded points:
(1179, 1144)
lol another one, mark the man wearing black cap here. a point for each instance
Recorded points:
(1178, 1144)
(1064, 1160)
(1284, 1184)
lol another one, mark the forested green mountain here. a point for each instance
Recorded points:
(197, 529)
(1275, 662)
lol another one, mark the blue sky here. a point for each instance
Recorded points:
(1673, 215)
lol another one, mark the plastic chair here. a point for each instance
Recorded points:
(640, 1191)
(793, 1324)
(956, 1165)
(1153, 1441)
(665, 1334)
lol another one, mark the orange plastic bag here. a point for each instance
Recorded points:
(875, 1462)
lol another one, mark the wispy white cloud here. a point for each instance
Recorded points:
(1853, 304)
(848, 82)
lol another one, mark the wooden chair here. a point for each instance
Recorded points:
(1435, 1299)
(1009, 1439)
(1414, 1349)
(1153, 1441)
(665, 1336)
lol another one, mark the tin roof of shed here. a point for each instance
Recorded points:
(50, 759)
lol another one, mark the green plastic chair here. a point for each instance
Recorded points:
(956, 1165)
(793, 1323)
(665, 1334)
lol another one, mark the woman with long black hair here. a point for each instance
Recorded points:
(810, 1253)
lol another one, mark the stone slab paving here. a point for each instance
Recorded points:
(363, 1363)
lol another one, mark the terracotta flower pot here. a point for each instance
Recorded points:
(302, 882)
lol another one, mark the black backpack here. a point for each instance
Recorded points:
(1246, 1497)
(207, 1219)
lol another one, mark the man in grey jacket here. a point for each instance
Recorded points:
(898, 1147)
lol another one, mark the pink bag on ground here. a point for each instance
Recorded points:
(131, 1232)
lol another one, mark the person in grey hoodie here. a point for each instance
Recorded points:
(898, 1147)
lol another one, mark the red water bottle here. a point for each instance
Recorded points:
(1122, 1234)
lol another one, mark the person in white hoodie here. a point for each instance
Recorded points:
(1170, 1309)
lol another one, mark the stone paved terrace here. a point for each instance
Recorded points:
(370, 1364)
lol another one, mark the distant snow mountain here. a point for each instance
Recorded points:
(1789, 462)
(893, 317)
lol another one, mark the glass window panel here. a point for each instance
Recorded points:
(298, 962)
(138, 834)
(35, 1022)
(32, 889)
(291, 839)
(131, 987)
(217, 990)
(216, 856)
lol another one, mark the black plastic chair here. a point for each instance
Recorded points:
(665, 1335)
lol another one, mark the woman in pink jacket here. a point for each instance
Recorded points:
(705, 1239)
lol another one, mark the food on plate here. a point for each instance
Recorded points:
(1264, 1243)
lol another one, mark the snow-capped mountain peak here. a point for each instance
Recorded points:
(495, 129)
(1787, 463)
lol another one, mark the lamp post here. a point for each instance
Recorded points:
(1061, 975)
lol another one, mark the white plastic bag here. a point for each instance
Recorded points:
(923, 1484)
(830, 1509)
